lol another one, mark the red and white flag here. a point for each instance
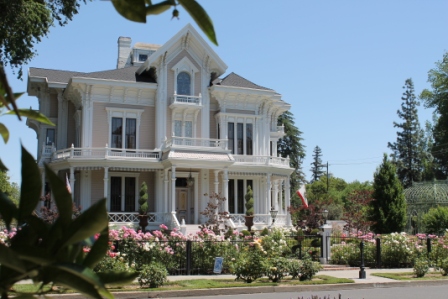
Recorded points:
(302, 194)
(67, 184)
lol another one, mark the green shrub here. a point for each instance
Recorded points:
(249, 202)
(294, 267)
(308, 268)
(153, 275)
(276, 268)
(264, 232)
(421, 266)
(443, 265)
(108, 263)
(249, 264)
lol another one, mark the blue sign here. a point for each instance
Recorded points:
(218, 265)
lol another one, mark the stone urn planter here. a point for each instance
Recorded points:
(143, 222)
(249, 222)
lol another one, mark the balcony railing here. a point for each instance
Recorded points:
(132, 217)
(185, 99)
(262, 160)
(197, 142)
(104, 153)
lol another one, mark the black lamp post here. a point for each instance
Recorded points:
(273, 215)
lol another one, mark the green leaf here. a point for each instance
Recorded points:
(81, 279)
(9, 258)
(98, 250)
(91, 221)
(4, 132)
(33, 114)
(158, 8)
(2, 166)
(8, 210)
(31, 186)
(61, 196)
(133, 10)
(201, 18)
(117, 277)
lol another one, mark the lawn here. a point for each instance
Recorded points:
(195, 284)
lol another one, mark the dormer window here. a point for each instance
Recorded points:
(142, 57)
(184, 84)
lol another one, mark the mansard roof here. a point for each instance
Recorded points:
(59, 76)
(234, 80)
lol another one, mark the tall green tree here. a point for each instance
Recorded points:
(8, 188)
(388, 208)
(407, 151)
(291, 145)
(437, 98)
(316, 165)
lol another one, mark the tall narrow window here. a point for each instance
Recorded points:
(115, 194)
(188, 129)
(249, 143)
(122, 193)
(231, 136)
(232, 196)
(131, 135)
(50, 137)
(117, 132)
(128, 133)
(184, 84)
(241, 194)
(240, 145)
(129, 196)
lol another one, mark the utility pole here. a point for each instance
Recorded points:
(328, 178)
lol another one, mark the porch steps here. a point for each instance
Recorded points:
(192, 229)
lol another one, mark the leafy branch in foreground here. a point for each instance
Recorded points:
(52, 254)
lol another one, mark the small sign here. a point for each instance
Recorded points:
(218, 265)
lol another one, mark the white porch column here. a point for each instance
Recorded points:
(216, 183)
(173, 189)
(225, 187)
(287, 201)
(165, 191)
(106, 182)
(72, 181)
(274, 148)
(280, 197)
(268, 193)
(196, 198)
(275, 195)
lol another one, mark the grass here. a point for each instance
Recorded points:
(195, 284)
(431, 275)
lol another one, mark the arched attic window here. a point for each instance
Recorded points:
(183, 83)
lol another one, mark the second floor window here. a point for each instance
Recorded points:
(236, 136)
(184, 84)
(124, 129)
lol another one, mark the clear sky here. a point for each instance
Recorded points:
(340, 64)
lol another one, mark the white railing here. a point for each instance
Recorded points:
(196, 142)
(104, 153)
(280, 129)
(185, 99)
(47, 150)
(264, 160)
(132, 217)
(261, 219)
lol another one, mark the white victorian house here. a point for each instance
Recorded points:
(164, 116)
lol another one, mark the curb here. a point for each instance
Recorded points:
(267, 289)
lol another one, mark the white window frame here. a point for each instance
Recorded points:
(123, 175)
(124, 113)
(244, 121)
(186, 66)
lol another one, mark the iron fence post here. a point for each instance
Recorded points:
(362, 272)
(188, 252)
(378, 252)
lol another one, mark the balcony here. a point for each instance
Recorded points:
(201, 144)
(105, 153)
(178, 101)
(277, 131)
(261, 160)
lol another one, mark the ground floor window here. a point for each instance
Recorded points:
(123, 190)
(237, 190)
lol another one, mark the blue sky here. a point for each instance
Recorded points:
(340, 64)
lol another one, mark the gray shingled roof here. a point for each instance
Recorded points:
(60, 76)
(235, 80)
